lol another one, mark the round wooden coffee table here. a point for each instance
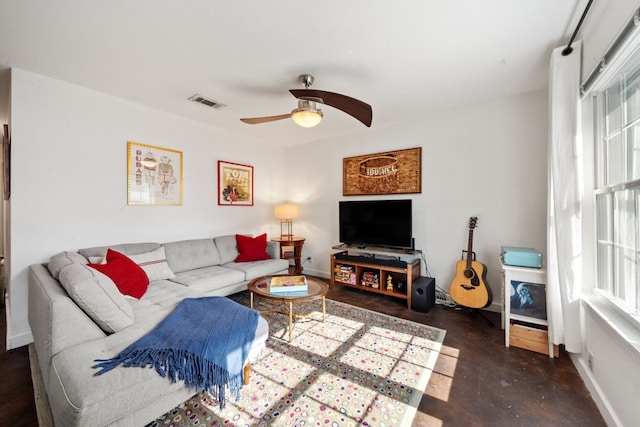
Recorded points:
(316, 289)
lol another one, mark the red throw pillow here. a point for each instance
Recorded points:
(252, 249)
(129, 277)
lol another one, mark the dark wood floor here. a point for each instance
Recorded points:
(477, 381)
(17, 406)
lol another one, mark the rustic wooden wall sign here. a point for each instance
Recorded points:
(392, 172)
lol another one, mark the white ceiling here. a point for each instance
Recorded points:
(404, 57)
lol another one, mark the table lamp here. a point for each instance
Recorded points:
(286, 213)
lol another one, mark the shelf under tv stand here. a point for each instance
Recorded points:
(350, 271)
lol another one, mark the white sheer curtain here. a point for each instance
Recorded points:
(564, 242)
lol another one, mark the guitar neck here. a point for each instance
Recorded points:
(470, 248)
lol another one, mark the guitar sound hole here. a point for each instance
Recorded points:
(469, 273)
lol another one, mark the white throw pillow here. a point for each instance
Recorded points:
(98, 296)
(155, 264)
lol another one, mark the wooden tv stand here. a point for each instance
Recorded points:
(350, 271)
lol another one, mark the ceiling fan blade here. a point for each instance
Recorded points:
(258, 120)
(354, 107)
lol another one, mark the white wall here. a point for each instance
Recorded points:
(610, 362)
(69, 179)
(487, 161)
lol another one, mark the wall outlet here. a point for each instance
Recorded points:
(590, 361)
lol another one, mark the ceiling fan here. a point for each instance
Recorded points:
(307, 115)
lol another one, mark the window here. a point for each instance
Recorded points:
(618, 187)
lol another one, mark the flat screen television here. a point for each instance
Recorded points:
(376, 223)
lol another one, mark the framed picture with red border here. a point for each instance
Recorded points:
(235, 184)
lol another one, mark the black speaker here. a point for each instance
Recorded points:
(423, 294)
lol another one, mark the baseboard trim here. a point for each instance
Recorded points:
(607, 412)
(316, 273)
(16, 341)
(39, 393)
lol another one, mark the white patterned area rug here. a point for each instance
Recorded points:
(358, 368)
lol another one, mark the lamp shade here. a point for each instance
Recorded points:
(286, 211)
(306, 118)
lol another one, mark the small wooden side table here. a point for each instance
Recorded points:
(291, 242)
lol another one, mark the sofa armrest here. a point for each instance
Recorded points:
(56, 321)
(273, 249)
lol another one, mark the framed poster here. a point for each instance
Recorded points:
(391, 172)
(528, 299)
(154, 175)
(6, 162)
(235, 184)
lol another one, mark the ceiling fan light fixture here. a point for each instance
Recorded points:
(305, 117)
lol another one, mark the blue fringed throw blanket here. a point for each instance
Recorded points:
(205, 342)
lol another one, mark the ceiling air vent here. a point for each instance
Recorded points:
(204, 101)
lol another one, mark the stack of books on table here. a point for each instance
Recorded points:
(287, 284)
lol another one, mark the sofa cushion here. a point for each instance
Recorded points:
(273, 249)
(154, 263)
(191, 254)
(159, 300)
(251, 248)
(98, 296)
(227, 248)
(208, 279)
(61, 260)
(125, 248)
(255, 269)
(126, 274)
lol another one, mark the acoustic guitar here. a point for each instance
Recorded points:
(469, 286)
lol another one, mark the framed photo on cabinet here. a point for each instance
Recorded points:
(528, 299)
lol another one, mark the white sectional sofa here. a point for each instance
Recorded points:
(75, 322)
